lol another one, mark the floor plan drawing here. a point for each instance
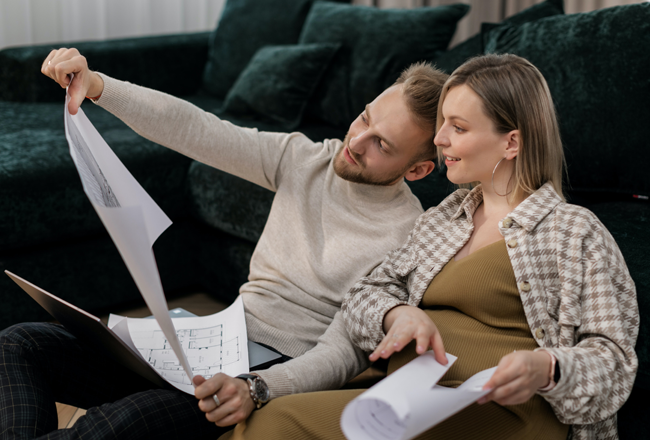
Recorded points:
(206, 350)
(92, 177)
(211, 344)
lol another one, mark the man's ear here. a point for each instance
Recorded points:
(419, 170)
(513, 139)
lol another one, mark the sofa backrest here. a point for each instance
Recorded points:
(169, 63)
(597, 66)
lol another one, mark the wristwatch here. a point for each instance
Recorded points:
(257, 387)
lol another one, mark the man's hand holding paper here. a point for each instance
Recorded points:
(60, 63)
(233, 395)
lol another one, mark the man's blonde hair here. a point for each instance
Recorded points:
(515, 96)
(421, 86)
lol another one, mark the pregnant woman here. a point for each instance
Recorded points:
(504, 273)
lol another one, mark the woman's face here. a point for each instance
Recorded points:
(468, 138)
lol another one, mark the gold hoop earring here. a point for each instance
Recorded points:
(493, 188)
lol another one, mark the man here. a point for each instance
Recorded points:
(339, 208)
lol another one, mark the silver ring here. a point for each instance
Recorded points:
(216, 400)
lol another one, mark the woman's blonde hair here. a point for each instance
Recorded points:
(515, 96)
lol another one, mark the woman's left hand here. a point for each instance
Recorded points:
(518, 377)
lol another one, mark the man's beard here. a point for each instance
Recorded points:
(359, 175)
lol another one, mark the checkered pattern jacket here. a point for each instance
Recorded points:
(579, 299)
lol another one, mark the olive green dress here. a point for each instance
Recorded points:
(476, 306)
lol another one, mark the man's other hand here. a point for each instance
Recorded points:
(60, 63)
(235, 402)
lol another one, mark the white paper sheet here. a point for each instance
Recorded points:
(213, 344)
(131, 217)
(408, 402)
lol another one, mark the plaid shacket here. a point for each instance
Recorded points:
(579, 299)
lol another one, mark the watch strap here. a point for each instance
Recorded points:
(557, 373)
(252, 379)
(553, 374)
(95, 99)
(246, 376)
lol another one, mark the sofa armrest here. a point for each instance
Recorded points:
(169, 63)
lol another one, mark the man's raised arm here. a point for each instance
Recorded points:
(175, 123)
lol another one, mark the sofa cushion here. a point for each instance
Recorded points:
(229, 203)
(278, 81)
(244, 27)
(452, 59)
(377, 44)
(41, 198)
(597, 67)
(234, 205)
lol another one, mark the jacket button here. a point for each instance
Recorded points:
(540, 333)
(512, 243)
(507, 222)
(525, 286)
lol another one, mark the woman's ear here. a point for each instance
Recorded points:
(514, 140)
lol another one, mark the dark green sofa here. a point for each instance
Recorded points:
(596, 65)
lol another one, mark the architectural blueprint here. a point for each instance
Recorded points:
(92, 177)
(212, 344)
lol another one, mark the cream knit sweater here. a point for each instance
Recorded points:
(323, 233)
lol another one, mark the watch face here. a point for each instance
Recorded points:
(262, 391)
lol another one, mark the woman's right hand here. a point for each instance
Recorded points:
(405, 323)
(60, 63)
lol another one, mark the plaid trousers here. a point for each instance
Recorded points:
(42, 363)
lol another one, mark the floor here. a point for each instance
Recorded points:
(198, 303)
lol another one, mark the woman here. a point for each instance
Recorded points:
(506, 274)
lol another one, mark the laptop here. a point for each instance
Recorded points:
(92, 330)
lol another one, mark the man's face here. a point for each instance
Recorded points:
(382, 142)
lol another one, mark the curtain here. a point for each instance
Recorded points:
(57, 21)
(492, 11)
